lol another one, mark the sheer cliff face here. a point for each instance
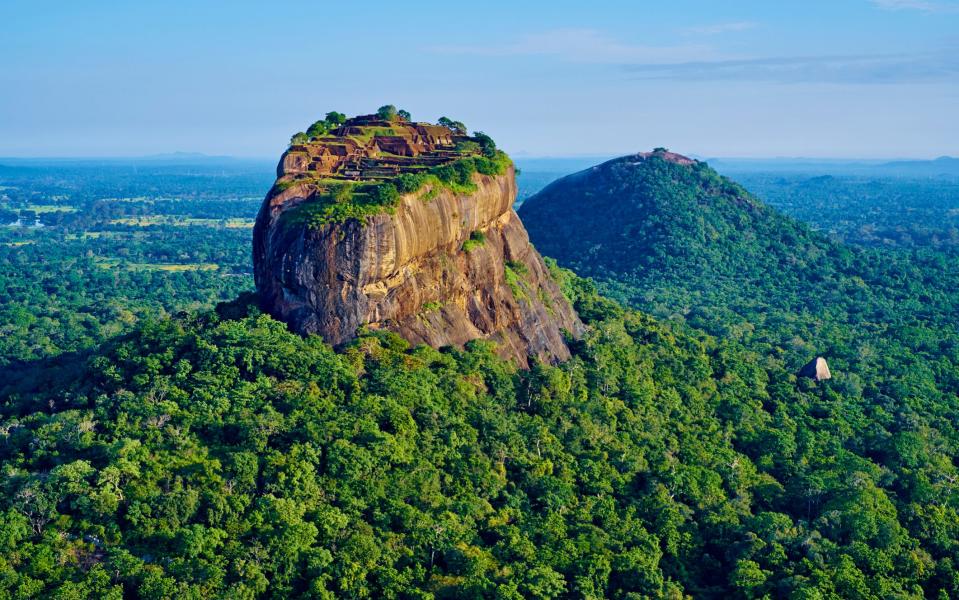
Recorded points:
(408, 272)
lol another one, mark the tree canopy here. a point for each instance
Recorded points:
(457, 126)
(219, 454)
(387, 112)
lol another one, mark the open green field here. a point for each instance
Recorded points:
(50, 208)
(95, 235)
(146, 221)
(112, 263)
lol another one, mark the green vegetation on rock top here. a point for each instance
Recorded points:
(367, 176)
(337, 201)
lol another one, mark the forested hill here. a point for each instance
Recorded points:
(681, 242)
(644, 214)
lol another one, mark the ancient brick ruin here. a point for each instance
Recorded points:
(368, 147)
(668, 156)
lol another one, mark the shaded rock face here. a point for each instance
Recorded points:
(816, 369)
(408, 272)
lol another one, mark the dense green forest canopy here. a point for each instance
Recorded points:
(220, 455)
(696, 249)
(868, 210)
(100, 245)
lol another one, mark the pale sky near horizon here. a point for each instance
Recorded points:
(813, 78)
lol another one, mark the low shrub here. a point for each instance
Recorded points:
(477, 239)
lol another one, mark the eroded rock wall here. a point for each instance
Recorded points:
(408, 272)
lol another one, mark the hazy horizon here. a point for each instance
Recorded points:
(186, 156)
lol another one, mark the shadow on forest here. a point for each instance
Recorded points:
(23, 383)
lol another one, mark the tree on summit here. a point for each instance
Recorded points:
(486, 143)
(387, 112)
(317, 129)
(331, 121)
(457, 126)
(335, 118)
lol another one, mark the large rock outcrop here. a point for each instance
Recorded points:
(442, 269)
(817, 369)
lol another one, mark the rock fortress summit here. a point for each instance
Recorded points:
(379, 222)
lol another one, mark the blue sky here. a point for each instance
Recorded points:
(838, 78)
